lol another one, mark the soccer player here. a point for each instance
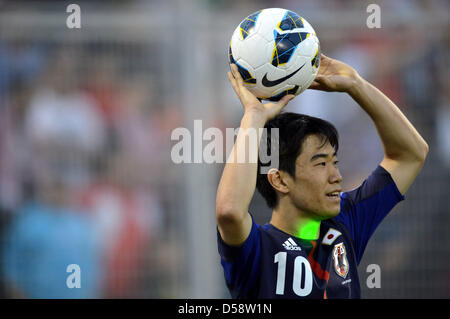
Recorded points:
(317, 234)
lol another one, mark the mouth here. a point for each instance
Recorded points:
(334, 196)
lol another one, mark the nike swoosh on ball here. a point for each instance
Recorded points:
(268, 83)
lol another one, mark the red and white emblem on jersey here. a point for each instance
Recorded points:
(340, 260)
(331, 236)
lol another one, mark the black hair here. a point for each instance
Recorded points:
(293, 128)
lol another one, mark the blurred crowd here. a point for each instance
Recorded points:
(80, 161)
(85, 175)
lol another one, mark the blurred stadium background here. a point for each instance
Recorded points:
(86, 117)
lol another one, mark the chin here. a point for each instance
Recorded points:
(330, 213)
(334, 213)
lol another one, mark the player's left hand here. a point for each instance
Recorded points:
(334, 76)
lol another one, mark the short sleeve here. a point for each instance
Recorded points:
(363, 208)
(241, 264)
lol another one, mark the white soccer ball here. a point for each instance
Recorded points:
(277, 53)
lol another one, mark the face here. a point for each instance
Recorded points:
(317, 184)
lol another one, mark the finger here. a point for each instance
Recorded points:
(231, 78)
(321, 83)
(319, 78)
(234, 69)
(285, 100)
(323, 80)
(237, 75)
(231, 72)
(233, 82)
(275, 108)
(315, 86)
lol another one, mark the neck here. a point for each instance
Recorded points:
(296, 223)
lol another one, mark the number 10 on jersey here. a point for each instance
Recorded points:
(302, 278)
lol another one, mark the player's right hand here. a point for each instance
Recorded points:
(250, 102)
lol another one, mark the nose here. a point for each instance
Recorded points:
(335, 176)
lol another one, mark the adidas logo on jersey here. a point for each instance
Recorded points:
(290, 244)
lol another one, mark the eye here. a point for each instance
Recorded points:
(321, 163)
(336, 162)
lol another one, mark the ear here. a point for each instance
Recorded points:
(278, 180)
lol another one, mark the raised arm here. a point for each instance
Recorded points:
(238, 181)
(404, 149)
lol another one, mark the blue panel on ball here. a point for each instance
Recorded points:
(278, 97)
(285, 45)
(315, 61)
(230, 55)
(248, 24)
(290, 21)
(245, 74)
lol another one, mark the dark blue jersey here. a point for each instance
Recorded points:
(274, 264)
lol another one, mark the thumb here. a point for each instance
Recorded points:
(285, 100)
(319, 78)
(323, 80)
(275, 108)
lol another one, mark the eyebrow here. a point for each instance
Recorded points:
(321, 155)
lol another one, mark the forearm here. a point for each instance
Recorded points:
(400, 139)
(238, 182)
